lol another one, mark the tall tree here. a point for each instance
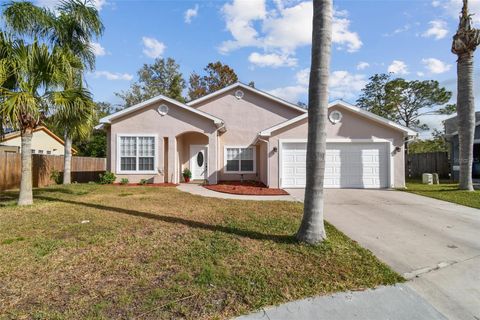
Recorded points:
(465, 41)
(312, 229)
(405, 102)
(71, 29)
(161, 77)
(39, 76)
(216, 76)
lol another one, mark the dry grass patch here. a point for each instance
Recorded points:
(94, 252)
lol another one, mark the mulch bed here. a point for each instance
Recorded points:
(146, 185)
(253, 188)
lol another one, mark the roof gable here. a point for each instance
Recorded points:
(16, 134)
(343, 104)
(139, 106)
(250, 89)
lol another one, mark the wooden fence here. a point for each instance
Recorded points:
(429, 162)
(84, 169)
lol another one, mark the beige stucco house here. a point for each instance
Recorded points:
(240, 132)
(44, 141)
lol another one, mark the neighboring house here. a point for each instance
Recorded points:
(44, 141)
(451, 134)
(240, 132)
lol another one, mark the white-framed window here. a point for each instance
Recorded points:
(240, 159)
(136, 153)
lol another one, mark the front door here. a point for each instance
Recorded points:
(198, 162)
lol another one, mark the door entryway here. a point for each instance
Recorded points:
(198, 162)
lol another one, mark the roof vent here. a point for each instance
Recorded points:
(162, 109)
(239, 94)
(335, 116)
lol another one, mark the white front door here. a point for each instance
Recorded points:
(198, 162)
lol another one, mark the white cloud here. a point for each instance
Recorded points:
(152, 47)
(291, 93)
(398, 67)
(438, 29)
(191, 13)
(303, 76)
(280, 30)
(436, 66)
(98, 50)
(362, 65)
(344, 85)
(272, 60)
(420, 74)
(99, 4)
(113, 75)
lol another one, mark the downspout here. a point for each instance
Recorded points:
(268, 160)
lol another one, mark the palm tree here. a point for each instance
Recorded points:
(312, 228)
(464, 44)
(32, 81)
(72, 29)
(76, 118)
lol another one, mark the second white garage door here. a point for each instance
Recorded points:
(348, 165)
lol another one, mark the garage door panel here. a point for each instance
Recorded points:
(347, 165)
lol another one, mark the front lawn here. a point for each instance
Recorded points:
(447, 192)
(91, 251)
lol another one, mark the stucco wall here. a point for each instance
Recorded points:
(352, 126)
(40, 141)
(176, 122)
(244, 119)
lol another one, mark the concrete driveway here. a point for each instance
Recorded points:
(433, 243)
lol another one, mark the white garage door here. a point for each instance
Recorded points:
(348, 165)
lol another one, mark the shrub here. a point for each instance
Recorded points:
(56, 176)
(187, 173)
(143, 181)
(124, 181)
(107, 178)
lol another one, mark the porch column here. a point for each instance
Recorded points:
(212, 157)
(172, 160)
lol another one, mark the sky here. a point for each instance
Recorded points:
(268, 42)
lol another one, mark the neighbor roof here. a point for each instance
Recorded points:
(148, 102)
(16, 134)
(268, 132)
(251, 89)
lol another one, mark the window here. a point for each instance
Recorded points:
(33, 151)
(49, 152)
(40, 151)
(136, 153)
(239, 160)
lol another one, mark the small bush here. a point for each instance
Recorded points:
(124, 181)
(107, 178)
(143, 182)
(56, 176)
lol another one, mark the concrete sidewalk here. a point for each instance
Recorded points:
(393, 302)
(201, 191)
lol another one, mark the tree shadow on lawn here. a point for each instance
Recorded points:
(286, 239)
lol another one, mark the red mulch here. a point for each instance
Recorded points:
(253, 188)
(146, 185)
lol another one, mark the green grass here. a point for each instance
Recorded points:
(158, 253)
(447, 192)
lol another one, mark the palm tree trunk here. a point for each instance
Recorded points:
(312, 229)
(26, 193)
(67, 160)
(466, 117)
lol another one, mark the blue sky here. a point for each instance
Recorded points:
(269, 42)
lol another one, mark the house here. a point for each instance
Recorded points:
(44, 141)
(451, 134)
(240, 132)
